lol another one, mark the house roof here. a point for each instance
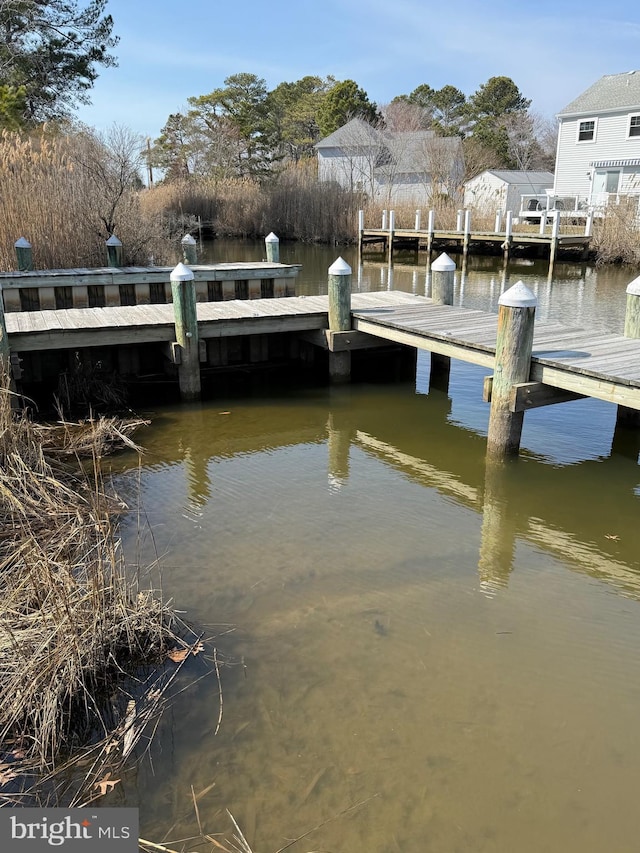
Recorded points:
(610, 93)
(352, 134)
(516, 176)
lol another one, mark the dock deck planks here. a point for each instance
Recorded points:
(597, 364)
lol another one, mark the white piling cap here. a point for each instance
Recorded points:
(113, 241)
(443, 263)
(633, 289)
(271, 238)
(22, 243)
(340, 267)
(181, 273)
(188, 240)
(518, 296)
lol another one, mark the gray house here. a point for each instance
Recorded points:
(598, 158)
(391, 167)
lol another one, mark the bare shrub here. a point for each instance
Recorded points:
(616, 236)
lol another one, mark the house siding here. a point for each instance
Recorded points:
(573, 169)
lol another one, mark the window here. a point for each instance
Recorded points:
(634, 126)
(587, 130)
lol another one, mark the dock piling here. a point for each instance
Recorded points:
(442, 285)
(508, 235)
(625, 417)
(24, 254)
(272, 245)
(189, 249)
(417, 220)
(339, 291)
(186, 324)
(114, 252)
(516, 315)
(430, 229)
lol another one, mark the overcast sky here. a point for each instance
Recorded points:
(169, 51)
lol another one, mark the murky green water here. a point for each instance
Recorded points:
(455, 649)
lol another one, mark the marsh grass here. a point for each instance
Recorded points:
(77, 627)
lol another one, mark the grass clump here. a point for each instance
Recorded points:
(75, 627)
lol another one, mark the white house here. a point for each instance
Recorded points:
(501, 190)
(392, 167)
(598, 155)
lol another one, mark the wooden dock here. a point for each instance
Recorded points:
(564, 359)
(457, 240)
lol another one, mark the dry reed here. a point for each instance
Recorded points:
(52, 196)
(73, 622)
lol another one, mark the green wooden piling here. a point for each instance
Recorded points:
(272, 245)
(4, 340)
(186, 324)
(189, 249)
(516, 315)
(339, 290)
(114, 252)
(24, 254)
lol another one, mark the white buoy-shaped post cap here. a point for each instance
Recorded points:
(181, 273)
(518, 296)
(633, 289)
(113, 241)
(339, 267)
(443, 263)
(271, 238)
(188, 240)
(22, 243)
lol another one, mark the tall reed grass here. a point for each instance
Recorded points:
(58, 191)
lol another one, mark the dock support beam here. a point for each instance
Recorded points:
(442, 283)
(183, 292)
(516, 315)
(339, 290)
(272, 246)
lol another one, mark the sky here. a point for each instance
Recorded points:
(170, 51)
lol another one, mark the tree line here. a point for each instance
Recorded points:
(245, 130)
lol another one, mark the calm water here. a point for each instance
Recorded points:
(456, 650)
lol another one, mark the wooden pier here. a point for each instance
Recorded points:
(556, 364)
(548, 239)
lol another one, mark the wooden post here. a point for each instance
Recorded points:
(360, 230)
(417, 222)
(339, 290)
(516, 314)
(24, 254)
(186, 323)
(442, 282)
(588, 225)
(189, 250)
(467, 234)
(543, 222)
(508, 235)
(272, 244)
(555, 233)
(392, 228)
(459, 215)
(5, 361)
(384, 220)
(498, 222)
(430, 227)
(630, 418)
(114, 251)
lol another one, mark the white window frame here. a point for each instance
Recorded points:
(595, 131)
(633, 135)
